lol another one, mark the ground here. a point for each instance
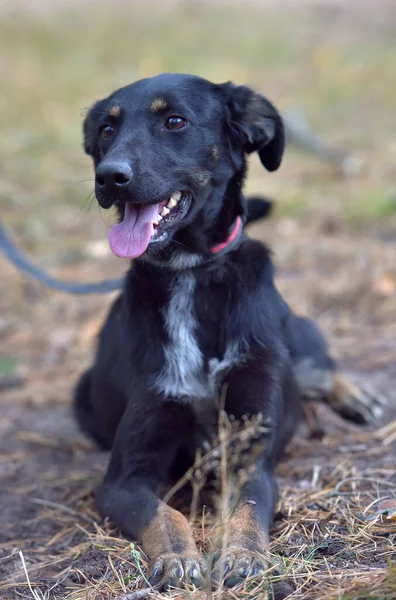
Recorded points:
(334, 243)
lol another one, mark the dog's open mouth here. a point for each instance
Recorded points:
(145, 224)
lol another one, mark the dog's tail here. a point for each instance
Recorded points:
(258, 208)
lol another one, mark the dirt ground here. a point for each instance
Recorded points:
(332, 531)
(334, 243)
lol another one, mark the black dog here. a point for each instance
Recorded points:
(199, 310)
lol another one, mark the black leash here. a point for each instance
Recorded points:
(71, 287)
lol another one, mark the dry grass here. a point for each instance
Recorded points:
(333, 536)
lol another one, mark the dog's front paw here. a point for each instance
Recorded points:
(237, 564)
(355, 403)
(178, 570)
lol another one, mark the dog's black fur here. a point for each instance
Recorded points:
(144, 397)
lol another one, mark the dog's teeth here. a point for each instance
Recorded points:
(159, 218)
(165, 211)
(174, 199)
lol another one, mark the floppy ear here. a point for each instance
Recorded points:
(88, 135)
(255, 125)
(90, 132)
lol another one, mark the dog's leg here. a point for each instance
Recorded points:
(353, 402)
(255, 389)
(85, 414)
(148, 438)
(319, 377)
(246, 534)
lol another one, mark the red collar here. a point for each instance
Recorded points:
(236, 229)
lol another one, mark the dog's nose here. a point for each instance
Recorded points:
(113, 177)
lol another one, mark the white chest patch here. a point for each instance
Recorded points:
(184, 375)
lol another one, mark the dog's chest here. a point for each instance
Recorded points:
(186, 373)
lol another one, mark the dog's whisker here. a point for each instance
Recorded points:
(85, 180)
(88, 203)
(176, 242)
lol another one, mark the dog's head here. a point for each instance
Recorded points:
(170, 153)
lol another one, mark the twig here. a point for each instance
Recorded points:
(34, 593)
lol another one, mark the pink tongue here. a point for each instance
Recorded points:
(131, 237)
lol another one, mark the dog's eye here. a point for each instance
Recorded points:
(175, 123)
(106, 132)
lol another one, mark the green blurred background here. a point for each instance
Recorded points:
(334, 61)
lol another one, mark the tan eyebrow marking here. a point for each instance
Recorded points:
(115, 111)
(158, 104)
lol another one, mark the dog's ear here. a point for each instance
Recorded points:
(90, 132)
(255, 125)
